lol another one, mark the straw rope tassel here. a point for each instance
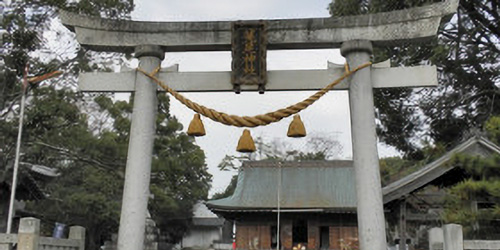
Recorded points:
(296, 128)
(196, 127)
(246, 143)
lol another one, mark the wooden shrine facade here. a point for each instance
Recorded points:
(311, 230)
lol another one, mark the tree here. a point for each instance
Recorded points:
(25, 23)
(87, 141)
(397, 167)
(475, 202)
(88, 191)
(180, 176)
(55, 132)
(492, 128)
(465, 52)
(229, 189)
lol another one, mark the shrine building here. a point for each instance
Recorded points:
(316, 208)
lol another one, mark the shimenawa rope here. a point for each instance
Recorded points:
(251, 121)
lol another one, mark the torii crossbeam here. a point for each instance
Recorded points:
(354, 35)
(280, 80)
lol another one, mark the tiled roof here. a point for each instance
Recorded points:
(326, 186)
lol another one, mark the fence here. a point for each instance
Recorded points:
(450, 237)
(28, 238)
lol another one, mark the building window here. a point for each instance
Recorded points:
(299, 232)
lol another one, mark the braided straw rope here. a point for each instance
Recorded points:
(251, 121)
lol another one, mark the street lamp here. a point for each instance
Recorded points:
(32, 80)
(18, 148)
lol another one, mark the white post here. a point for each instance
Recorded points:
(453, 237)
(140, 151)
(435, 238)
(28, 234)
(371, 222)
(78, 233)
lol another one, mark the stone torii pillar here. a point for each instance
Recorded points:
(355, 35)
(371, 222)
(140, 151)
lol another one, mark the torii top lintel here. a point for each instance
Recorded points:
(313, 33)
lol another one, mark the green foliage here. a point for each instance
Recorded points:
(466, 53)
(394, 168)
(107, 8)
(179, 174)
(56, 133)
(229, 189)
(492, 128)
(87, 191)
(87, 196)
(480, 189)
(478, 167)
(90, 159)
(475, 202)
(357, 7)
(91, 164)
(348, 7)
(25, 23)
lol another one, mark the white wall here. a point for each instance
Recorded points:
(201, 238)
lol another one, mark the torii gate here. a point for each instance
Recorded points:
(354, 35)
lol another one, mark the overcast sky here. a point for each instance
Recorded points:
(328, 117)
